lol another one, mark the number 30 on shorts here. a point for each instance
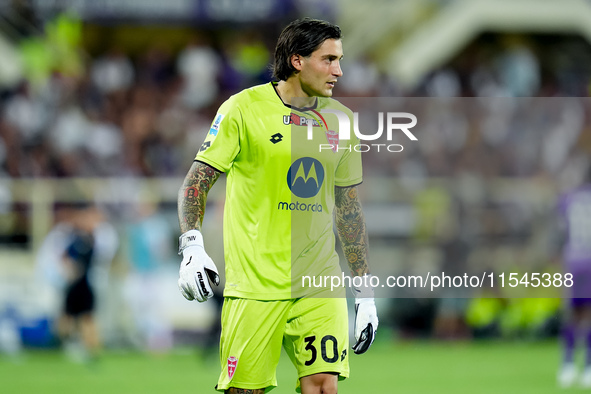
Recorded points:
(327, 341)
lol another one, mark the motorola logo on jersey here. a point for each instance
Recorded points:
(305, 177)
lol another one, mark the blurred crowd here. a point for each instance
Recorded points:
(120, 118)
(114, 114)
(482, 121)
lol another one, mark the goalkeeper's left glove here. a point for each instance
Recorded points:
(366, 319)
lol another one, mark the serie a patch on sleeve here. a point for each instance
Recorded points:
(215, 126)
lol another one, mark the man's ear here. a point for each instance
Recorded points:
(296, 62)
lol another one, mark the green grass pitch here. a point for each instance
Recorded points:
(388, 367)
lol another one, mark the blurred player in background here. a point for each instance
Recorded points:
(251, 141)
(74, 259)
(79, 305)
(575, 209)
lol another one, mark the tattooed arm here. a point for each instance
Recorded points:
(353, 235)
(350, 224)
(196, 265)
(193, 194)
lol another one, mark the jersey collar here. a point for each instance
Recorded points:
(274, 86)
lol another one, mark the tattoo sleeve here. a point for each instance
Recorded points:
(193, 194)
(351, 228)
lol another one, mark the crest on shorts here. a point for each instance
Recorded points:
(232, 364)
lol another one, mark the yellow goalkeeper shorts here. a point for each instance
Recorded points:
(313, 332)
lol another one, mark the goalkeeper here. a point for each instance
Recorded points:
(255, 138)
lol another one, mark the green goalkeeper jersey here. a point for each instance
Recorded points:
(280, 197)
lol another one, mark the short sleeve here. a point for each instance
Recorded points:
(349, 170)
(222, 142)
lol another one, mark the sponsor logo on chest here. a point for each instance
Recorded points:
(298, 120)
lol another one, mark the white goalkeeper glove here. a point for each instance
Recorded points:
(366, 318)
(197, 268)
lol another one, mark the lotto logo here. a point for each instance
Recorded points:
(205, 146)
(277, 137)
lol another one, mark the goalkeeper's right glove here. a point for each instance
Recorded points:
(197, 268)
(366, 318)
